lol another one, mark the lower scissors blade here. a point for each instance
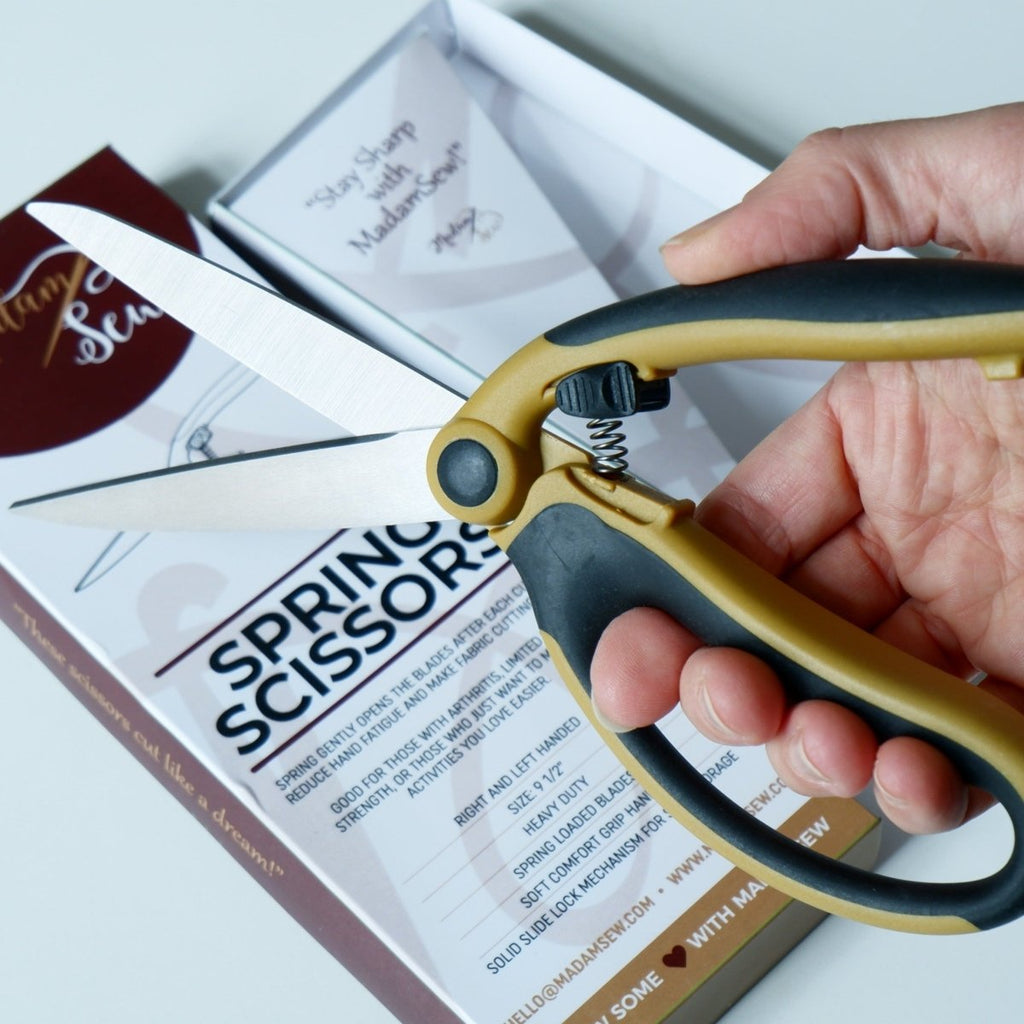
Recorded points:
(357, 481)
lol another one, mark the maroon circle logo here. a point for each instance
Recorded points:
(78, 350)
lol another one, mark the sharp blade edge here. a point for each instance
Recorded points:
(376, 481)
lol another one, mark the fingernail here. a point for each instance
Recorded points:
(803, 764)
(709, 709)
(684, 238)
(693, 234)
(885, 793)
(605, 722)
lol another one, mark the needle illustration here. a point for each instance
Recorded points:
(74, 281)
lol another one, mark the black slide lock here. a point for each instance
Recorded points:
(610, 391)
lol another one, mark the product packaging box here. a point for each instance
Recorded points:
(367, 720)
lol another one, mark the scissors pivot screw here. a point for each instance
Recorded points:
(467, 472)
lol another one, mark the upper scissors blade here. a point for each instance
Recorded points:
(331, 371)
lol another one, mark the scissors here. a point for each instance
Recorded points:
(589, 540)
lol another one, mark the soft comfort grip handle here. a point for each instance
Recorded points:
(587, 555)
(589, 549)
(871, 291)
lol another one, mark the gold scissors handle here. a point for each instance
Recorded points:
(589, 547)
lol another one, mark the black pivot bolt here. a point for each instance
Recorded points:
(467, 472)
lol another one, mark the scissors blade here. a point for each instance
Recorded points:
(331, 371)
(321, 486)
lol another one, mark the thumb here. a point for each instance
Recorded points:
(953, 180)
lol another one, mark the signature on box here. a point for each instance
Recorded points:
(468, 226)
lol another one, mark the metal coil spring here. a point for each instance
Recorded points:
(608, 455)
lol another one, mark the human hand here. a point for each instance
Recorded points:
(895, 497)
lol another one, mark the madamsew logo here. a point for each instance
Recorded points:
(78, 349)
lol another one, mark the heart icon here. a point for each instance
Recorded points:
(677, 958)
